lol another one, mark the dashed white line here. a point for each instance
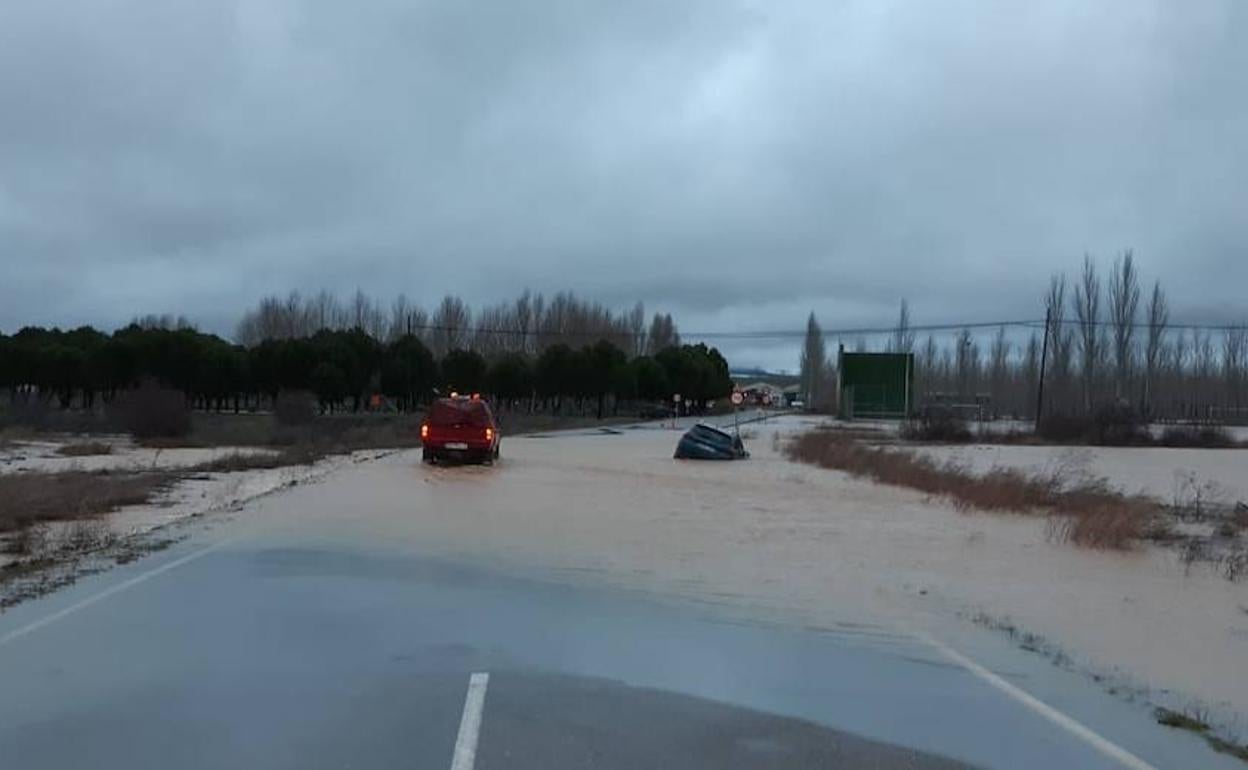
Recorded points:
(470, 723)
(1095, 740)
(17, 633)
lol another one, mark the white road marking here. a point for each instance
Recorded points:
(470, 724)
(18, 633)
(1095, 740)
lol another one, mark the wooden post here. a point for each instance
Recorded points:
(1044, 355)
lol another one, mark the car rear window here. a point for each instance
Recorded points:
(447, 413)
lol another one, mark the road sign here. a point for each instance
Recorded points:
(738, 397)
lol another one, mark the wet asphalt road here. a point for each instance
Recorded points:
(263, 643)
(267, 655)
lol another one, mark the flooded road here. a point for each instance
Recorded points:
(339, 624)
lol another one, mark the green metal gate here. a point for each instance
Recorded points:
(875, 385)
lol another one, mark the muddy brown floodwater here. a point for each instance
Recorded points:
(771, 538)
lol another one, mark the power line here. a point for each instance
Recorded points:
(781, 334)
(1168, 326)
(761, 334)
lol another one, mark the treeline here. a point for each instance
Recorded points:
(558, 363)
(1110, 343)
(528, 324)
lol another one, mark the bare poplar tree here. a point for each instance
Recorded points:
(495, 330)
(1124, 302)
(400, 318)
(1203, 363)
(1180, 359)
(813, 360)
(1061, 339)
(966, 357)
(928, 365)
(636, 324)
(324, 312)
(1234, 348)
(539, 317)
(164, 321)
(365, 315)
(557, 321)
(999, 362)
(274, 318)
(662, 333)
(450, 325)
(525, 323)
(1088, 314)
(903, 335)
(405, 319)
(1031, 371)
(1158, 317)
(293, 318)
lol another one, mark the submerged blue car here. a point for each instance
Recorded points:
(702, 442)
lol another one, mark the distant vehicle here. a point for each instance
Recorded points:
(797, 403)
(460, 428)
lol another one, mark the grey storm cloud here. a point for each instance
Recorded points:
(737, 164)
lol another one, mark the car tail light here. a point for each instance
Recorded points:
(424, 430)
(489, 434)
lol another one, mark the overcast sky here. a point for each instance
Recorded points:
(737, 164)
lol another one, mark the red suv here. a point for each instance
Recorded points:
(459, 428)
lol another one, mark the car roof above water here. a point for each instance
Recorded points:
(456, 411)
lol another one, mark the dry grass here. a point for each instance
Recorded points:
(85, 449)
(937, 428)
(1063, 430)
(1086, 512)
(334, 432)
(1197, 721)
(1197, 436)
(301, 454)
(1115, 522)
(241, 461)
(29, 498)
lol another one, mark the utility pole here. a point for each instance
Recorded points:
(1044, 355)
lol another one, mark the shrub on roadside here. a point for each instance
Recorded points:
(153, 412)
(27, 540)
(29, 498)
(1109, 425)
(938, 426)
(85, 449)
(1118, 425)
(1196, 436)
(1062, 428)
(295, 407)
(1086, 512)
